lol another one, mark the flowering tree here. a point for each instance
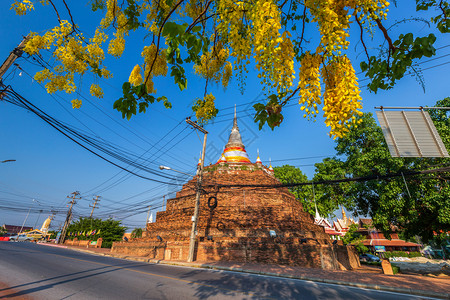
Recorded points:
(220, 38)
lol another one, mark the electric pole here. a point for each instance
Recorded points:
(197, 196)
(94, 206)
(68, 217)
(17, 52)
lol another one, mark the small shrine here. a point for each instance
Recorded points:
(245, 216)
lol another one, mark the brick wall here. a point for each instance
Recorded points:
(240, 225)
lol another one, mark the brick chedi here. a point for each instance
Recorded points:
(245, 216)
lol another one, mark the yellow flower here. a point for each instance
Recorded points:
(135, 76)
(76, 103)
(21, 8)
(96, 91)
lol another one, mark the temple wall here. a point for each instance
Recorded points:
(268, 251)
(238, 228)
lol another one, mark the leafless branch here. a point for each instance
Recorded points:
(57, 13)
(290, 96)
(282, 4)
(303, 27)
(361, 37)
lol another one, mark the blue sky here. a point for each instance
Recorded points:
(49, 166)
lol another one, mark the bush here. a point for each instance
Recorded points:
(107, 244)
(395, 269)
(415, 254)
(136, 233)
(389, 254)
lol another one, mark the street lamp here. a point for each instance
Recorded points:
(169, 168)
(7, 160)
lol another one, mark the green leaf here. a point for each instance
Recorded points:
(126, 87)
(142, 107)
(364, 66)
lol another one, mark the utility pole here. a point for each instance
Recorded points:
(69, 217)
(17, 52)
(94, 206)
(148, 214)
(197, 196)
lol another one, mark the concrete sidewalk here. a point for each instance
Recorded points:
(364, 277)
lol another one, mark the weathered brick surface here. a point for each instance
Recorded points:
(240, 224)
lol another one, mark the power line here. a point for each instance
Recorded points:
(74, 135)
(352, 179)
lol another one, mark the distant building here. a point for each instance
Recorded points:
(336, 229)
(376, 241)
(13, 229)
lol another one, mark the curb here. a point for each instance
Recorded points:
(314, 279)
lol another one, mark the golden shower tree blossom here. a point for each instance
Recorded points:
(223, 40)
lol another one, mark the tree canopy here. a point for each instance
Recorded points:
(353, 237)
(418, 205)
(92, 229)
(327, 198)
(222, 39)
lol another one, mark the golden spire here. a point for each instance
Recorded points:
(234, 151)
(258, 160)
(344, 216)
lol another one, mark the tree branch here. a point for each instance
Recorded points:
(159, 38)
(74, 27)
(303, 27)
(198, 17)
(290, 96)
(57, 13)
(443, 10)
(282, 4)
(361, 37)
(386, 35)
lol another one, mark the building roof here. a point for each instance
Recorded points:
(365, 223)
(11, 229)
(391, 243)
(332, 231)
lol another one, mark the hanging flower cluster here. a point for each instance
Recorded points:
(205, 109)
(214, 65)
(135, 76)
(239, 31)
(76, 103)
(96, 91)
(155, 65)
(342, 100)
(21, 7)
(73, 57)
(309, 84)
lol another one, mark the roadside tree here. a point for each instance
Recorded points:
(92, 229)
(416, 204)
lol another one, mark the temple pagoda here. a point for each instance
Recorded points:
(245, 216)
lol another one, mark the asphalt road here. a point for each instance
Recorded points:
(35, 271)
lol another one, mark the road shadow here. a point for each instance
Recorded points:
(65, 279)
